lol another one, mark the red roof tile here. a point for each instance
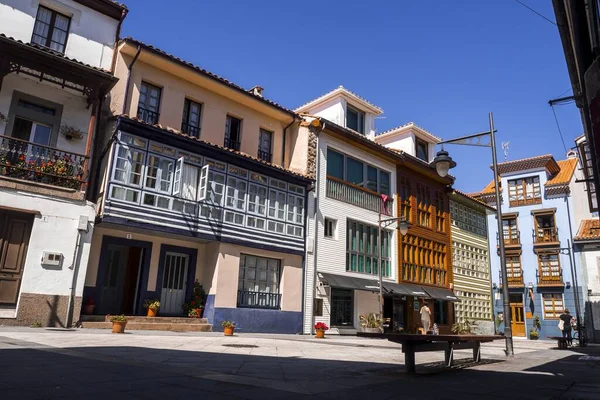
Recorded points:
(588, 230)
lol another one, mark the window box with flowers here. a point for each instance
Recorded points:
(320, 329)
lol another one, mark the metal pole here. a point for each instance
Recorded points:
(507, 317)
(380, 252)
(575, 291)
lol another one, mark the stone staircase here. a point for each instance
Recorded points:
(173, 324)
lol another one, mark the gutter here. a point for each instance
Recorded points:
(284, 140)
(128, 82)
(117, 39)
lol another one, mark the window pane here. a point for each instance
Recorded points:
(335, 164)
(372, 178)
(354, 171)
(384, 182)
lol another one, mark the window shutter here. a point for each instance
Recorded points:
(177, 177)
(202, 194)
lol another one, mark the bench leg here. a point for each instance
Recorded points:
(449, 355)
(409, 358)
(477, 352)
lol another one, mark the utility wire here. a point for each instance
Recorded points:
(535, 12)
(559, 131)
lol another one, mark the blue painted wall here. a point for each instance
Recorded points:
(529, 260)
(255, 320)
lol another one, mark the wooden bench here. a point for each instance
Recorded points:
(412, 344)
(562, 342)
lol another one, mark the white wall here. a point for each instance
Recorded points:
(334, 110)
(55, 230)
(91, 34)
(404, 141)
(74, 111)
(331, 252)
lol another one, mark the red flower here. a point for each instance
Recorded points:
(321, 326)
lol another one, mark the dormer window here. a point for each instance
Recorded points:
(51, 29)
(422, 150)
(355, 120)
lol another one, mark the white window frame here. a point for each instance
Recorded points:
(139, 192)
(276, 224)
(297, 230)
(211, 186)
(156, 197)
(250, 217)
(294, 210)
(159, 171)
(203, 185)
(128, 164)
(235, 214)
(237, 196)
(277, 204)
(254, 199)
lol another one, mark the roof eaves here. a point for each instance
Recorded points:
(411, 124)
(209, 74)
(341, 90)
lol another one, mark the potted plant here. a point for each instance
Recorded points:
(463, 328)
(88, 306)
(228, 327)
(70, 132)
(118, 323)
(153, 305)
(320, 329)
(195, 306)
(534, 333)
(371, 323)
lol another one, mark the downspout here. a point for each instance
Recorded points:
(572, 261)
(284, 140)
(117, 38)
(128, 82)
(305, 236)
(316, 247)
(75, 267)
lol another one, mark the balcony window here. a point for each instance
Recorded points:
(129, 166)
(363, 249)
(514, 273)
(236, 193)
(264, 145)
(258, 285)
(405, 198)
(295, 209)
(149, 103)
(545, 229)
(554, 305)
(257, 199)
(356, 172)
(510, 231)
(422, 150)
(191, 118)
(440, 214)
(233, 128)
(51, 29)
(159, 173)
(355, 120)
(549, 268)
(423, 205)
(524, 191)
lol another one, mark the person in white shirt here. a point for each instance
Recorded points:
(425, 317)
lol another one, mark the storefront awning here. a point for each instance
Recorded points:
(439, 293)
(349, 282)
(405, 289)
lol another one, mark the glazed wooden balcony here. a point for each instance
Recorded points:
(20, 159)
(511, 239)
(546, 235)
(549, 276)
(514, 277)
(358, 196)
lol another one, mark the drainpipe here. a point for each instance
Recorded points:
(128, 82)
(284, 140)
(316, 247)
(572, 262)
(75, 267)
(117, 38)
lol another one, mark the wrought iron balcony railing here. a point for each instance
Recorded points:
(29, 161)
(232, 144)
(546, 235)
(358, 196)
(264, 155)
(191, 130)
(251, 299)
(148, 116)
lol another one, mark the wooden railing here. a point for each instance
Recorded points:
(358, 196)
(513, 275)
(512, 238)
(545, 235)
(549, 275)
(29, 161)
(251, 299)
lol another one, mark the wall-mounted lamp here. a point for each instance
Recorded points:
(568, 285)
(494, 286)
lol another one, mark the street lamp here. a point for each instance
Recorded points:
(443, 163)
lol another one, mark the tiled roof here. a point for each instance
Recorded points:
(208, 74)
(567, 168)
(588, 230)
(545, 161)
(340, 89)
(407, 125)
(470, 197)
(490, 188)
(215, 146)
(51, 52)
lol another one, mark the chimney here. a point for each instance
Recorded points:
(257, 91)
(571, 154)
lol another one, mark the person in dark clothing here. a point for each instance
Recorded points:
(566, 318)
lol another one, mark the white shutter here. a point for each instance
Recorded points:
(203, 192)
(177, 177)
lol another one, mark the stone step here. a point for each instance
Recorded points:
(149, 320)
(154, 326)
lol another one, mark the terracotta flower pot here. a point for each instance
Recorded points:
(118, 327)
(151, 312)
(88, 309)
(228, 331)
(320, 334)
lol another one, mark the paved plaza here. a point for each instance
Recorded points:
(90, 364)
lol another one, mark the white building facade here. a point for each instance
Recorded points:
(55, 61)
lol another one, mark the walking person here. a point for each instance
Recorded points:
(565, 325)
(425, 317)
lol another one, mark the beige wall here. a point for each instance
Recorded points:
(215, 106)
(228, 273)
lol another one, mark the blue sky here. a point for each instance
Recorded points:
(442, 64)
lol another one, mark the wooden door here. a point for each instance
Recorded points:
(112, 289)
(518, 315)
(15, 230)
(174, 283)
